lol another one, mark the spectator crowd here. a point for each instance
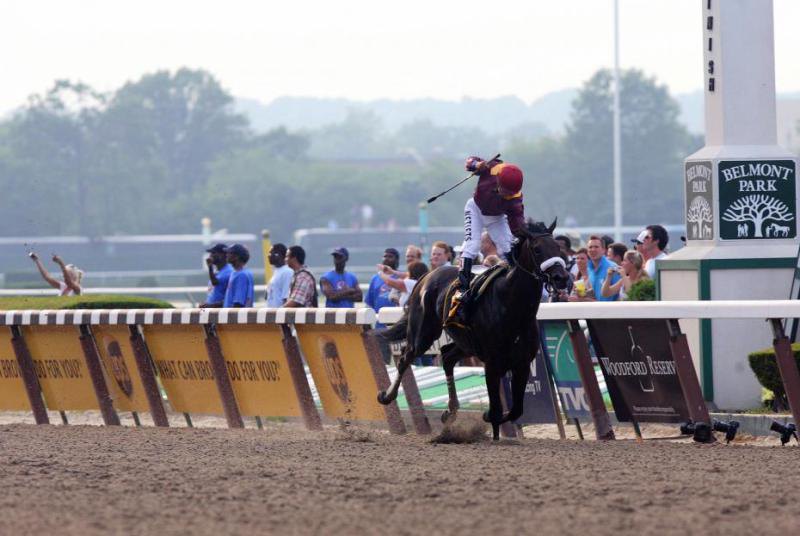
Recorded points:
(601, 270)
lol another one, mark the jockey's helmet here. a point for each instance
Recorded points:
(509, 178)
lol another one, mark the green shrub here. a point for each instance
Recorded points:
(643, 290)
(765, 367)
(91, 301)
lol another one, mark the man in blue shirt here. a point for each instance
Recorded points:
(218, 281)
(598, 266)
(378, 297)
(241, 285)
(378, 292)
(340, 287)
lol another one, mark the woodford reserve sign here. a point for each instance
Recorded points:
(699, 201)
(757, 199)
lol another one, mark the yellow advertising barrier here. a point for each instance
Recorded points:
(61, 367)
(257, 367)
(229, 362)
(119, 367)
(181, 361)
(342, 374)
(12, 389)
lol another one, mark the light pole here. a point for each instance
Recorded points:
(617, 158)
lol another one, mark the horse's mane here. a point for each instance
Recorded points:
(531, 229)
(536, 227)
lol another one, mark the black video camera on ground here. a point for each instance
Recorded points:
(785, 430)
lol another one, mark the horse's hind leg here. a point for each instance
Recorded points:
(495, 413)
(451, 355)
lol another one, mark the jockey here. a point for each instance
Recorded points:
(496, 206)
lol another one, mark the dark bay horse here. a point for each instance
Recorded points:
(502, 330)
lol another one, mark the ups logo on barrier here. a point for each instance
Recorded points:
(114, 363)
(334, 369)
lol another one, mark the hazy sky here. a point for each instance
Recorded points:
(363, 49)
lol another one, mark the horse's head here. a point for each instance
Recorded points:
(540, 255)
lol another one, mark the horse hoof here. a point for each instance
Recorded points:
(382, 398)
(448, 417)
(486, 417)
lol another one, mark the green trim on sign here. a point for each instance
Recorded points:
(707, 348)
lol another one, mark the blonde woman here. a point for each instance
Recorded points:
(631, 271)
(70, 286)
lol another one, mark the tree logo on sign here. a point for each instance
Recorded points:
(758, 209)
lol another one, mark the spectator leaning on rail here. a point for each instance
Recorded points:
(652, 243)
(241, 291)
(303, 289)
(339, 286)
(598, 268)
(217, 280)
(70, 286)
(281, 280)
(496, 205)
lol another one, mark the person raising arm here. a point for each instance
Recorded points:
(70, 286)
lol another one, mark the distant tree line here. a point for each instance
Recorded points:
(158, 154)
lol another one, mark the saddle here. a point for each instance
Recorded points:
(457, 315)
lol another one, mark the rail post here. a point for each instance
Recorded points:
(597, 407)
(28, 373)
(687, 375)
(787, 367)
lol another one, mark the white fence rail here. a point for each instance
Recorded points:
(759, 309)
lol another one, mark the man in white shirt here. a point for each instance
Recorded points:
(281, 280)
(652, 243)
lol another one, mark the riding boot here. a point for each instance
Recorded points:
(465, 275)
(461, 301)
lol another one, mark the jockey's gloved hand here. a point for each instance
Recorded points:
(473, 163)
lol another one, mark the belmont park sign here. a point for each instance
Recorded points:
(756, 200)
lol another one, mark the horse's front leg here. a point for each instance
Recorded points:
(387, 397)
(520, 372)
(495, 413)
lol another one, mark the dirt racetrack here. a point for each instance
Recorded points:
(284, 480)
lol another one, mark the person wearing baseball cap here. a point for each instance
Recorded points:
(217, 280)
(339, 286)
(241, 286)
(652, 243)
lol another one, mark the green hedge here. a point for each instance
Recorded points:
(91, 301)
(643, 290)
(764, 366)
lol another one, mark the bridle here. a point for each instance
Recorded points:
(539, 271)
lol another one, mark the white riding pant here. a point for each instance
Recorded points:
(474, 224)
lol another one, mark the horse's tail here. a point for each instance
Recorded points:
(397, 332)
